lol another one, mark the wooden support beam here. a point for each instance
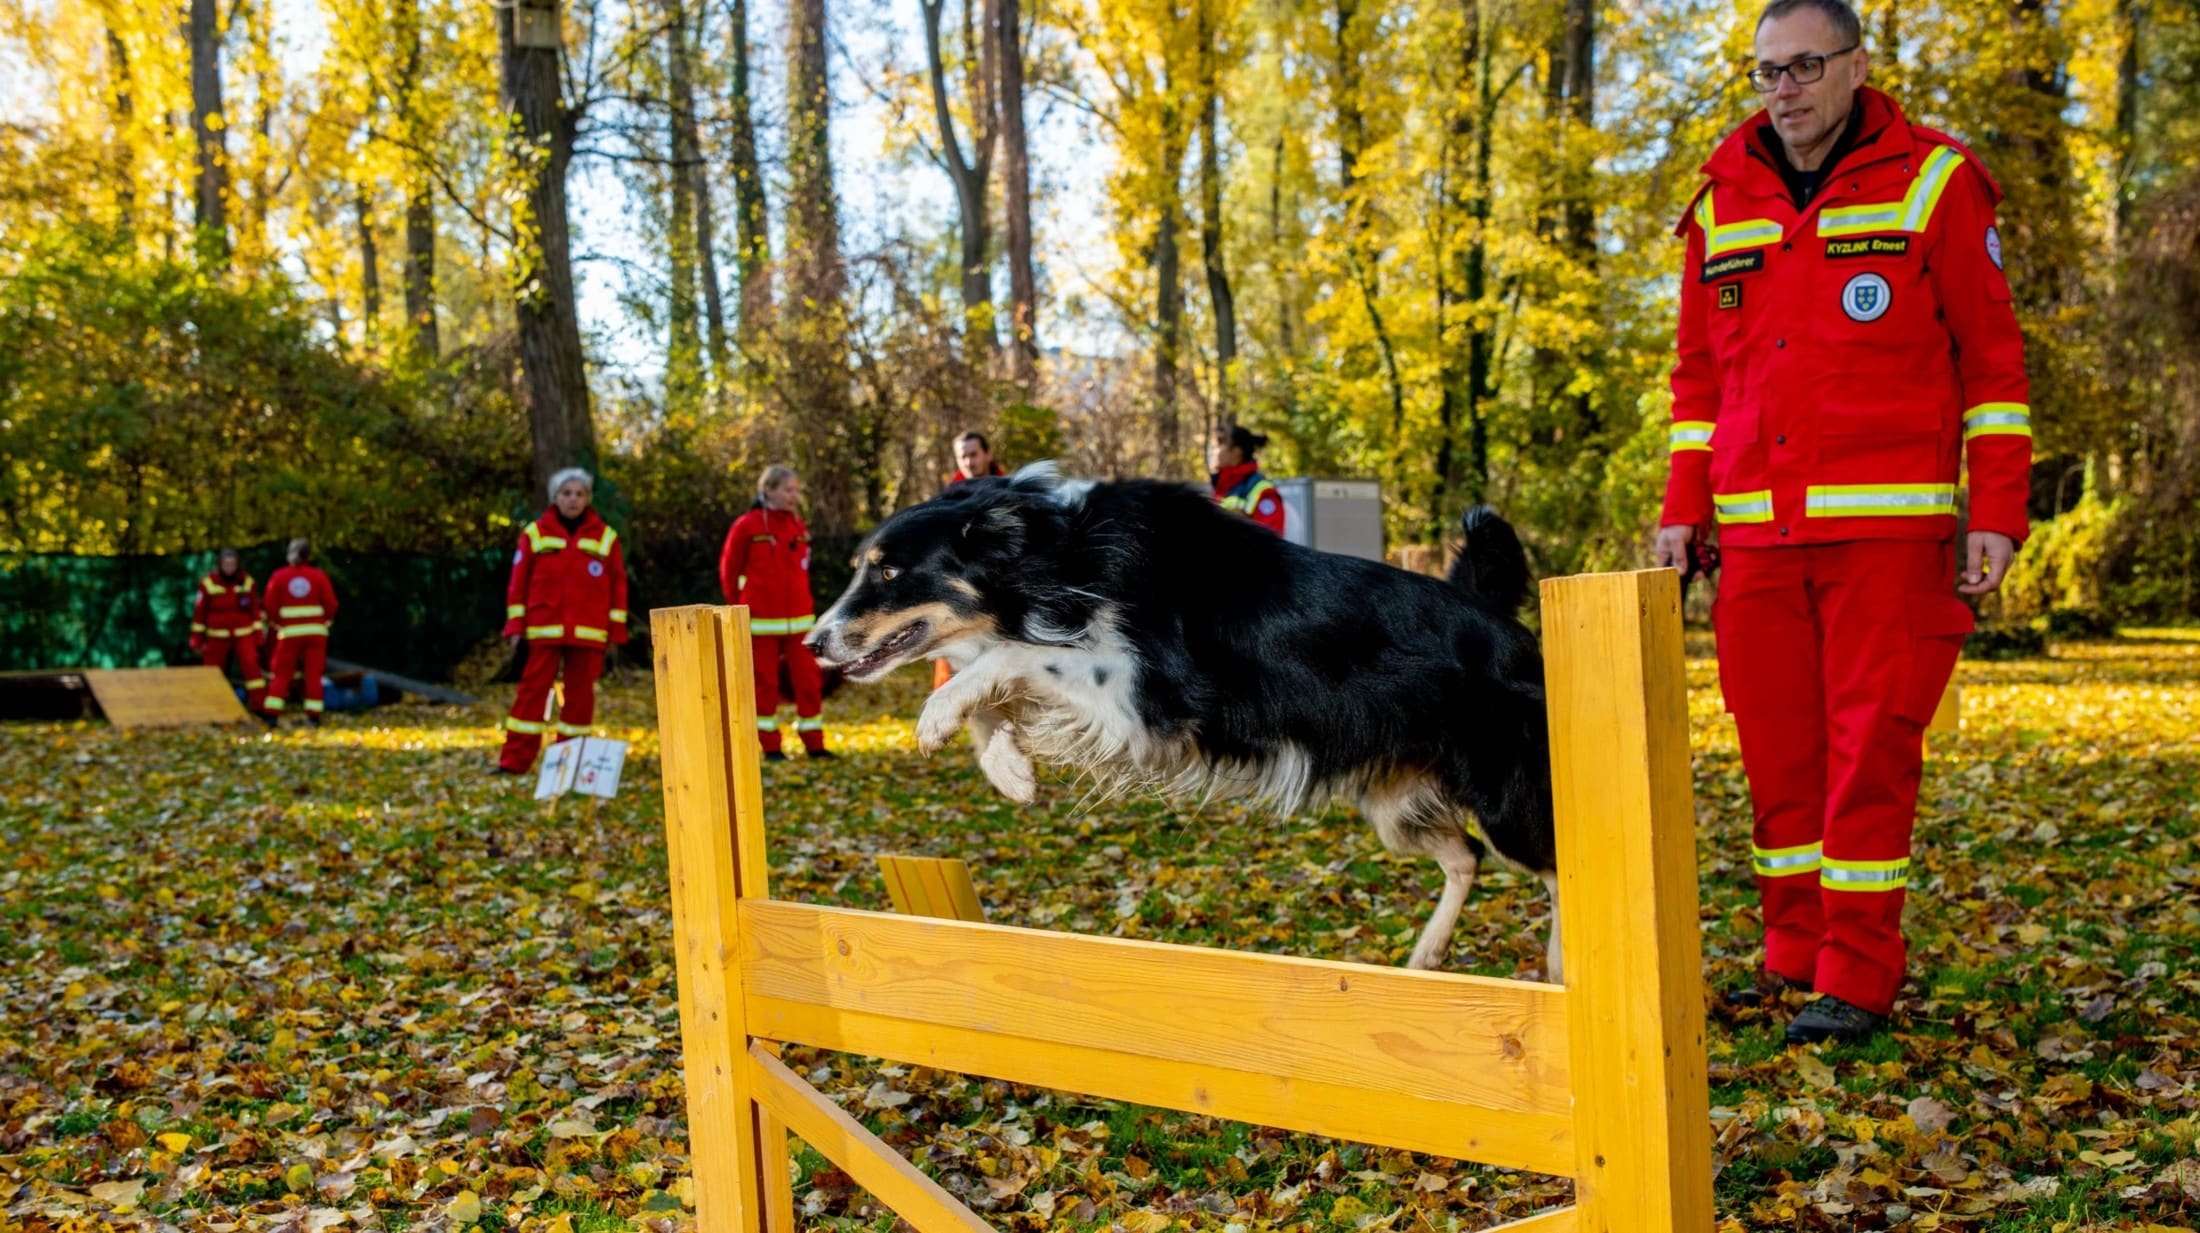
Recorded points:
(1618, 700)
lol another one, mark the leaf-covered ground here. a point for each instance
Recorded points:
(341, 979)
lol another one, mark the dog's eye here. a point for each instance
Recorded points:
(888, 573)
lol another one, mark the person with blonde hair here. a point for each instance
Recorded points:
(567, 598)
(765, 564)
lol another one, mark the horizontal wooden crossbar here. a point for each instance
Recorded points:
(1461, 1066)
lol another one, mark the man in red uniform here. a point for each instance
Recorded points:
(766, 565)
(225, 618)
(302, 606)
(567, 598)
(1846, 342)
(1238, 484)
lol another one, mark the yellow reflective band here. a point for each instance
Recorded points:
(815, 723)
(802, 624)
(771, 626)
(300, 610)
(601, 547)
(228, 633)
(1742, 506)
(1748, 233)
(1914, 212)
(541, 542)
(273, 704)
(261, 684)
(197, 628)
(767, 723)
(302, 631)
(619, 615)
(546, 631)
(1785, 862)
(522, 725)
(1843, 875)
(565, 729)
(513, 612)
(588, 634)
(1690, 435)
(212, 587)
(1879, 500)
(313, 705)
(1997, 419)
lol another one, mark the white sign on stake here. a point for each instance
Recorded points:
(601, 761)
(559, 768)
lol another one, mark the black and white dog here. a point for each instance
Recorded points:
(1138, 633)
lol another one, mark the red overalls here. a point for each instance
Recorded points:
(1837, 365)
(1243, 489)
(302, 606)
(567, 597)
(766, 565)
(225, 617)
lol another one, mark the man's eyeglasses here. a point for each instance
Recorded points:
(1804, 69)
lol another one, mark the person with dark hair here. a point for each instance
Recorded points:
(225, 619)
(973, 459)
(1238, 484)
(302, 605)
(765, 564)
(567, 599)
(1846, 345)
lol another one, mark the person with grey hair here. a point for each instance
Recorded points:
(567, 601)
(765, 564)
(301, 607)
(1846, 345)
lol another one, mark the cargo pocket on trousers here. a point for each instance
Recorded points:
(1938, 626)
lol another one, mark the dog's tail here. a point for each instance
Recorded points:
(1492, 567)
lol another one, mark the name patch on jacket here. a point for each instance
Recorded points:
(1869, 246)
(1739, 263)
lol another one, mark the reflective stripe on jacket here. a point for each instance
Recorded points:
(1244, 490)
(766, 564)
(300, 602)
(225, 609)
(567, 588)
(1838, 363)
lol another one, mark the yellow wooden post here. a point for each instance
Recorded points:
(1627, 901)
(706, 715)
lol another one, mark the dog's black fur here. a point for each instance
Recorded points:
(1256, 666)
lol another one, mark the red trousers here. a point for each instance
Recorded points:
(524, 727)
(310, 654)
(214, 653)
(768, 651)
(1832, 658)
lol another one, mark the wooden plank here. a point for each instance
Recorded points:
(1556, 1220)
(897, 886)
(165, 697)
(962, 891)
(860, 1154)
(1617, 690)
(691, 721)
(1533, 1142)
(1464, 1042)
(936, 893)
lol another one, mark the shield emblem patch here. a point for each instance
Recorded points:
(1866, 298)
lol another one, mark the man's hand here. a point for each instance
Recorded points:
(1672, 549)
(1988, 554)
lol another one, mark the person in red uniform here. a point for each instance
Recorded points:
(973, 460)
(301, 608)
(1238, 483)
(1846, 343)
(766, 565)
(567, 599)
(226, 619)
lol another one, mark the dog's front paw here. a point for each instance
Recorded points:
(1007, 767)
(937, 724)
(1427, 958)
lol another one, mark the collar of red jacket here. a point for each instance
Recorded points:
(1230, 477)
(591, 521)
(962, 477)
(1886, 134)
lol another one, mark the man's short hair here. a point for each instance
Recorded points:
(979, 437)
(1847, 27)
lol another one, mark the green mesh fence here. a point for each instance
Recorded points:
(407, 613)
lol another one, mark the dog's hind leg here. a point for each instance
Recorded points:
(1411, 818)
(1459, 862)
(1552, 967)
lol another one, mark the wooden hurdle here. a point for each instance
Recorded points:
(1602, 1080)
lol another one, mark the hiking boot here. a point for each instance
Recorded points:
(1761, 987)
(1830, 1018)
(823, 753)
(774, 755)
(498, 768)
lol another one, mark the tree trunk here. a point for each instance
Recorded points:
(1581, 102)
(1210, 212)
(551, 359)
(814, 328)
(211, 215)
(971, 175)
(1169, 289)
(1464, 389)
(751, 221)
(118, 73)
(370, 269)
(420, 324)
(1023, 283)
(683, 345)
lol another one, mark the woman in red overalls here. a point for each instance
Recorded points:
(766, 565)
(225, 617)
(567, 598)
(303, 605)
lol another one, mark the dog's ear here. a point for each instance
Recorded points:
(999, 528)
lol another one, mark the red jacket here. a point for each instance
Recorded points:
(956, 476)
(568, 588)
(300, 602)
(224, 609)
(1244, 489)
(766, 565)
(1838, 362)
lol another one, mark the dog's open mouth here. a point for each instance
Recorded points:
(885, 653)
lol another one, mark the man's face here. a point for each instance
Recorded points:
(572, 498)
(973, 457)
(1803, 115)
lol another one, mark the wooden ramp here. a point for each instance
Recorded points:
(165, 697)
